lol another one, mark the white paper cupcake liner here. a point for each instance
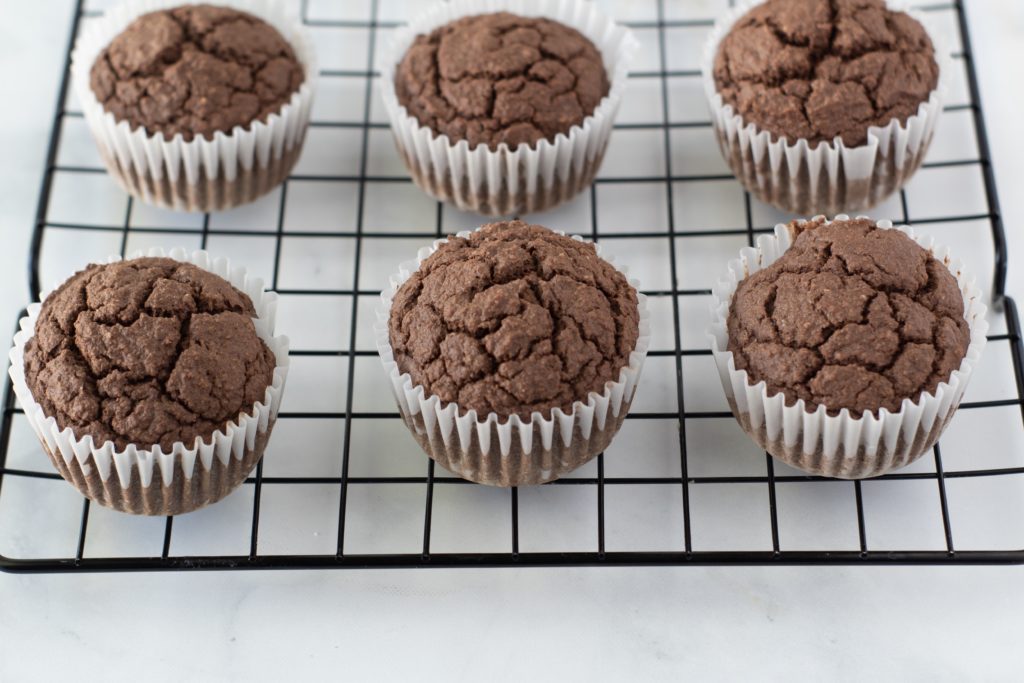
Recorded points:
(201, 175)
(188, 476)
(832, 177)
(840, 446)
(514, 452)
(507, 181)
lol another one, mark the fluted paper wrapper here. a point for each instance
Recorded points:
(486, 450)
(202, 175)
(831, 178)
(188, 476)
(521, 180)
(840, 446)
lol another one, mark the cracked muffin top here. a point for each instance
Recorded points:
(818, 69)
(501, 78)
(147, 351)
(514, 319)
(851, 316)
(196, 70)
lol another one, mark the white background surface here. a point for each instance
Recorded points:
(840, 623)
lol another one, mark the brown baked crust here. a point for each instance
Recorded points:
(196, 70)
(147, 351)
(514, 319)
(851, 316)
(501, 78)
(818, 69)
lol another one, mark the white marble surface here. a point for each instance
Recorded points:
(832, 623)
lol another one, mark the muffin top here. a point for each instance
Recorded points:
(514, 319)
(147, 351)
(851, 316)
(497, 78)
(195, 70)
(818, 69)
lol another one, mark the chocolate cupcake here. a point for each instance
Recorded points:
(514, 352)
(131, 371)
(846, 346)
(822, 106)
(196, 107)
(503, 113)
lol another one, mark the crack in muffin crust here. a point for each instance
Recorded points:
(817, 69)
(851, 316)
(147, 351)
(500, 78)
(514, 319)
(196, 70)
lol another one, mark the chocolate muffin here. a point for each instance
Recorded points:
(500, 78)
(845, 347)
(505, 114)
(515, 320)
(195, 70)
(148, 353)
(197, 107)
(851, 317)
(818, 72)
(819, 69)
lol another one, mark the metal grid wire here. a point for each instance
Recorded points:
(72, 535)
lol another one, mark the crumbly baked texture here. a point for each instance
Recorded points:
(495, 78)
(852, 316)
(147, 351)
(817, 69)
(196, 70)
(512, 320)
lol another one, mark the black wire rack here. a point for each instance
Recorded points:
(343, 485)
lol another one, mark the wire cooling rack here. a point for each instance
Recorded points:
(344, 485)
